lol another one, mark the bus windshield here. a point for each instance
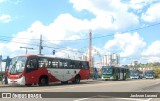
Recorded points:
(106, 70)
(17, 65)
(134, 73)
(149, 73)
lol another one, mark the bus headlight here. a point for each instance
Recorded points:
(111, 77)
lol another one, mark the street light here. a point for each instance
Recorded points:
(26, 49)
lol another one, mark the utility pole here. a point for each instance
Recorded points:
(40, 45)
(26, 49)
(90, 50)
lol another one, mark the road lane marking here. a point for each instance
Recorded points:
(81, 99)
(149, 99)
(133, 99)
(84, 98)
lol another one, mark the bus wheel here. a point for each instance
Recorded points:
(28, 85)
(64, 82)
(43, 81)
(77, 79)
(124, 78)
(117, 78)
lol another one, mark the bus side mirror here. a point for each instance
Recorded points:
(30, 67)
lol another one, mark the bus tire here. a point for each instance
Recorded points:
(77, 79)
(117, 77)
(124, 78)
(64, 82)
(28, 85)
(43, 81)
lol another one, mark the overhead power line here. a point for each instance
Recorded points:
(19, 42)
(140, 28)
(66, 49)
(71, 40)
(128, 30)
(17, 38)
(26, 48)
(61, 48)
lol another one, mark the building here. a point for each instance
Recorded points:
(84, 58)
(111, 59)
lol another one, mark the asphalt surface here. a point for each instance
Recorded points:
(87, 87)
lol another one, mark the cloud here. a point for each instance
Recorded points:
(5, 18)
(153, 49)
(25, 38)
(127, 43)
(153, 59)
(110, 14)
(69, 52)
(2, 46)
(152, 15)
(113, 16)
(2, 1)
(64, 26)
(140, 4)
(69, 23)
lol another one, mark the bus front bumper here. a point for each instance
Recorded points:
(149, 77)
(19, 81)
(107, 78)
(134, 77)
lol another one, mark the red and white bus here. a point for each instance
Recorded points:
(38, 69)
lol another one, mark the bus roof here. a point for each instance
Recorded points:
(48, 56)
(28, 55)
(115, 67)
(148, 70)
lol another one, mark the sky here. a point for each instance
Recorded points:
(130, 28)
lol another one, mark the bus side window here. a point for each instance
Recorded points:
(76, 64)
(72, 64)
(40, 63)
(32, 63)
(116, 70)
(65, 64)
(49, 64)
(85, 65)
(113, 70)
(43, 62)
(80, 65)
(54, 64)
(61, 64)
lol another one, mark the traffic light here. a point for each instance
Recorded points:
(53, 52)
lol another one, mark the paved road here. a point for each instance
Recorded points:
(143, 85)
